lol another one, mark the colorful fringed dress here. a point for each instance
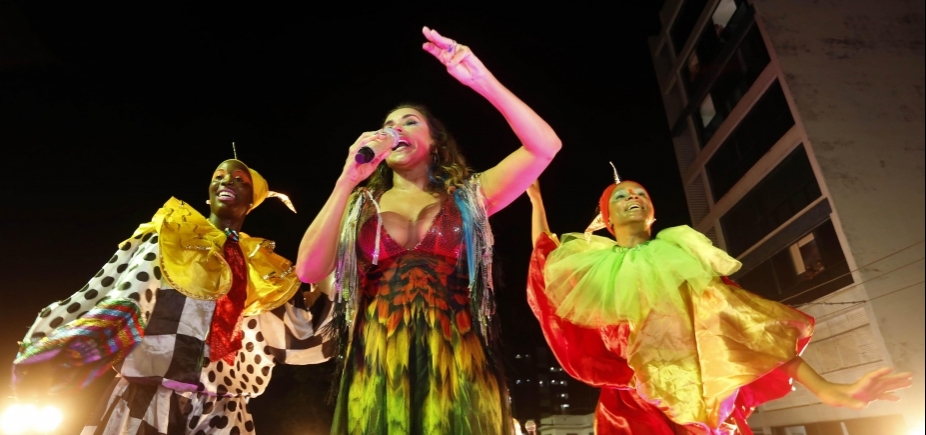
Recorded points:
(675, 346)
(416, 363)
(151, 313)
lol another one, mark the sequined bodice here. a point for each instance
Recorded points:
(431, 271)
(443, 238)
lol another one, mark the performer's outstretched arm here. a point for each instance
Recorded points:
(539, 223)
(875, 385)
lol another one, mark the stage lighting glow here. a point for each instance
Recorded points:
(48, 420)
(917, 431)
(15, 420)
(24, 419)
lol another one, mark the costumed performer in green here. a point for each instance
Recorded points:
(675, 346)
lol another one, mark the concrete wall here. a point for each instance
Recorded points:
(855, 69)
(567, 424)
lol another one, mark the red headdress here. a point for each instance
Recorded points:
(602, 219)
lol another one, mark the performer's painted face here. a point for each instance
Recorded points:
(414, 139)
(230, 192)
(630, 202)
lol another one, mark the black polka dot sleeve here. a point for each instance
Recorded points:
(131, 274)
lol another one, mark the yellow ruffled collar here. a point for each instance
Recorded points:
(193, 263)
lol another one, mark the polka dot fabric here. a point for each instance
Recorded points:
(250, 373)
(133, 272)
(167, 384)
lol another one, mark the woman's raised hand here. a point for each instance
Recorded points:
(354, 172)
(460, 61)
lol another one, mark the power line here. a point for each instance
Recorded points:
(856, 284)
(865, 301)
(860, 268)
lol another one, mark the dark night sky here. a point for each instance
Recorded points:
(106, 112)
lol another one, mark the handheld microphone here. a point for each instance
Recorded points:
(366, 153)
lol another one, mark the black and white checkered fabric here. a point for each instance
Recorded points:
(167, 384)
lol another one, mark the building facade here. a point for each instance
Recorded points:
(540, 388)
(799, 132)
(567, 425)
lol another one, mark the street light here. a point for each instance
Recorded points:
(531, 427)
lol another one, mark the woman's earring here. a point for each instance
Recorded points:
(208, 202)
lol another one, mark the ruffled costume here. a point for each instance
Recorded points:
(675, 346)
(185, 365)
(419, 359)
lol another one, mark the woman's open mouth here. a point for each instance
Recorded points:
(226, 194)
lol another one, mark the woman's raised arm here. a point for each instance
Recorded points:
(539, 143)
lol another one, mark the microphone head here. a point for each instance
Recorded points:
(364, 155)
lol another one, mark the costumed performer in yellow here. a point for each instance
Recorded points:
(675, 346)
(191, 312)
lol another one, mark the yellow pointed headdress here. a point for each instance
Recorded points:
(260, 188)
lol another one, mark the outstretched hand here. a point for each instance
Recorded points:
(875, 385)
(460, 61)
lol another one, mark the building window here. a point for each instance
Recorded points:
(806, 257)
(769, 119)
(784, 192)
(734, 81)
(718, 30)
(808, 269)
(685, 22)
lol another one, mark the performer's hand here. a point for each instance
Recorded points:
(874, 385)
(533, 191)
(460, 61)
(353, 172)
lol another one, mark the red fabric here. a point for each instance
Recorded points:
(225, 331)
(589, 355)
(623, 412)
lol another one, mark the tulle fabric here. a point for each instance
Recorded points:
(594, 282)
(679, 336)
